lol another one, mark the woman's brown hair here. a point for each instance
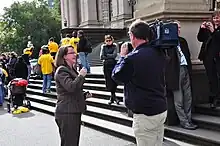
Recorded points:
(59, 59)
(216, 13)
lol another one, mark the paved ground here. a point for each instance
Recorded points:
(38, 129)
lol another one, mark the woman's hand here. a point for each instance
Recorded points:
(203, 25)
(83, 72)
(210, 26)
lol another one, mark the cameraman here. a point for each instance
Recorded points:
(142, 72)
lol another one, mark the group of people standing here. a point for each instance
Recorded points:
(13, 66)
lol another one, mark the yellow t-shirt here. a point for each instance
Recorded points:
(46, 61)
(73, 42)
(4, 72)
(65, 41)
(53, 47)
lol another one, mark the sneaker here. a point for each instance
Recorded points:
(110, 102)
(117, 101)
(48, 91)
(188, 126)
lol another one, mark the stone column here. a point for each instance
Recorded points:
(64, 12)
(73, 13)
(121, 12)
(105, 11)
(89, 13)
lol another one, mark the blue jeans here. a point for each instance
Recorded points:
(29, 72)
(83, 57)
(1, 94)
(46, 82)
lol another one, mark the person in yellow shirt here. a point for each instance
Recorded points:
(74, 41)
(66, 41)
(46, 63)
(53, 47)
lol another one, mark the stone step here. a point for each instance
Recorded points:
(88, 80)
(92, 75)
(111, 128)
(205, 109)
(89, 86)
(96, 93)
(207, 121)
(108, 114)
(200, 136)
(102, 103)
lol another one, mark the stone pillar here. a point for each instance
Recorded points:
(121, 12)
(89, 14)
(73, 13)
(64, 12)
(105, 11)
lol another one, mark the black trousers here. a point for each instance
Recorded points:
(69, 128)
(213, 73)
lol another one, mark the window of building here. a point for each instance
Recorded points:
(110, 12)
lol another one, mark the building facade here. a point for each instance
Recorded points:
(95, 13)
(120, 13)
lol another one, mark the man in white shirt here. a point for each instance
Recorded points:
(178, 75)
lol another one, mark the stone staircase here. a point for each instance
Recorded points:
(114, 120)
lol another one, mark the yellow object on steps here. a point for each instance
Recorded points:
(20, 110)
(23, 109)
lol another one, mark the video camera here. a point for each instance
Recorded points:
(165, 34)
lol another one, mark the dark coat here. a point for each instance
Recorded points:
(142, 72)
(203, 36)
(108, 55)
(21, 70)
(82, 46)
(173, 65)
(69, 87)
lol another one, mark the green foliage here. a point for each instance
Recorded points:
(25, 19)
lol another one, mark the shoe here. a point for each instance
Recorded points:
(188, 126)
(110, 102)
(194, 125)
(48, 91)
(213, 104)
(117, 101)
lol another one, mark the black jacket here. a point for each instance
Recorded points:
(82, 45)
(21, 70)
(173, 65)
(108, 53)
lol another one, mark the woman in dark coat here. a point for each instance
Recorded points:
(11, 65)
(108, 54)
(71, 98)
(21, 70)
(209, 35)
